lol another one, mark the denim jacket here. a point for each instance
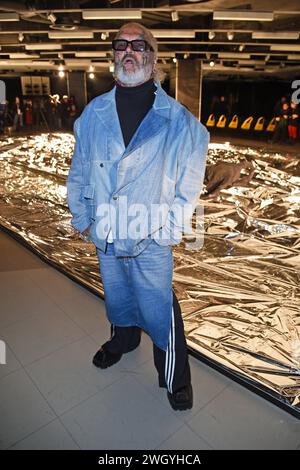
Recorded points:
(163, 165)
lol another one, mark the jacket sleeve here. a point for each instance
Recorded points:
(190, 176)
(75, 184)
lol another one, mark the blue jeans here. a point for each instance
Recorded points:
(138, 290)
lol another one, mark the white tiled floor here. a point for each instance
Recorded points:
(52, 397)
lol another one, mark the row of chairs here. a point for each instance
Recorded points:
(247, 124)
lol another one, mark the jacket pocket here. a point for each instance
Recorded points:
(88, 193)
(88, 197)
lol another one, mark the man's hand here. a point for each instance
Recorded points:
(86, 234)
(86, 231)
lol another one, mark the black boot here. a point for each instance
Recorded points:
(182, 399)
(104, 359)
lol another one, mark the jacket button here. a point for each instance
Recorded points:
(101, 164)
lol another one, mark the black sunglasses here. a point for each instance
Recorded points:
(137, 45)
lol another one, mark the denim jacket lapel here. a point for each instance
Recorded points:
(153, 123)
(107, 113)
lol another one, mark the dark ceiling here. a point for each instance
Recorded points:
(267, 44)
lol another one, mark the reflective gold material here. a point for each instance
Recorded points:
(239, 294)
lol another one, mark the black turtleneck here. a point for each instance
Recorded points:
(133, 103)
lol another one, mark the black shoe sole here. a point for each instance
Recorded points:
(186, 405)
(181, 407)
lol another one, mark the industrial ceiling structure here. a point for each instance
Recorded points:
(256, 37)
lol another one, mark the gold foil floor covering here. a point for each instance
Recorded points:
(239, 294)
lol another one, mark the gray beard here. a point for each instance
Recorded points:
(143, 74)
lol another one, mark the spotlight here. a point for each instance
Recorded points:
(61, 67)
(51, 17)
(61, 74)
(91, 69)
(241, 47)
(21, 37)
(174, 60)
(92, 76)
(230, 35)
(211, 35)
(103, 36)
(186, 55)
(212, 64)
(267, 58)
(174, 16)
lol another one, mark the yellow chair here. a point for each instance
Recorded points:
(259, 126)
(211, 121)
(247, 123)
(222, 121)
(272, 124)
(234, 122)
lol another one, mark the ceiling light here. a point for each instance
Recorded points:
(21, 37)
(230, 35)
(64, 23)
(211, 35)
(92, 75)
(241, 47)
(77, 63)
(112, 14)
(91, 69)
(186, 55)
(9, 17)
(275, 35)
(174, 16)
(267, 58)
(103, 36)
(90, 54)
(61, 74)
(42, 46)
(212, 64)
(173, 33)
(165, 54)
(71, 34)
(232, 55)
(51, 17)
(23, 55)
(60, 67)
(112, 68)
(232, 15)
(285, 47)
(251, 62)
(174, 60)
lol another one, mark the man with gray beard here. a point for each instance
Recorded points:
(137, 144)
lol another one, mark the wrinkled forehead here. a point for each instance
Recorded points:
(131, 32)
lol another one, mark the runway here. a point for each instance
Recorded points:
(239, 294)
